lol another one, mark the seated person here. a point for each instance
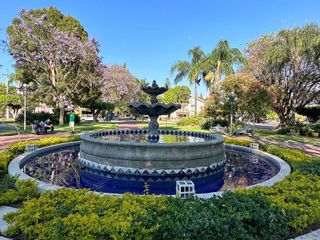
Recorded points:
(48, 125)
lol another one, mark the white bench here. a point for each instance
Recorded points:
(218, 129)
(5, 127)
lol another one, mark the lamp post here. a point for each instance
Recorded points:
(232, 98)
(24, 88)
(7, 110)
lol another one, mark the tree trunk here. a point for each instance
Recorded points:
(61, 116)
(195, 97)
(95, 114)
(286, 118)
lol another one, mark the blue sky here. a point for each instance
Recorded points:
(151, 35)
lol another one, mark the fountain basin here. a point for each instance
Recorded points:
(206, 153)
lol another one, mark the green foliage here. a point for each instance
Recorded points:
(40, 116)
(178, 94)
(22, 191)
(190, 121)
(237, 141)
(214, 122)
(297, 51)
(10, 98)
(17, 148)
(5, 158)
(254, 99)
(70, 214)
(311, 112)
(297, 128)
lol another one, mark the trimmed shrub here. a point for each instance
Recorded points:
(190, 121)
(237, 141)
(69, 214)
(5, 158)
(23, 190)
(214, 122)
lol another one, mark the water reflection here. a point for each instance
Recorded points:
(164, 138)
(63, 168)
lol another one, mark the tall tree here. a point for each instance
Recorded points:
(192, 70)
(9, 98)
(119, 86)
(178, 94)
(288, 61)
(254, 100)
(54, 51)
(221, 62)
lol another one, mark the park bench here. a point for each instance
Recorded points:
(218, 129)
(5, 127)
(243, 131)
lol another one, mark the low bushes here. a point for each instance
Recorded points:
(41, 116)
(289, 207)
(66, 214)
(237, 141)
(20, 191)
(297, 128)
(190, 121)
(208, 123)
(17, 148)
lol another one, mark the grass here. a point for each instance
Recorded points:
(87, 126)
(273, 136)
(172, 126)
(83, 126)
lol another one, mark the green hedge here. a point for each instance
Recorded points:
(190, 121)
(69, 214)
(21, 191)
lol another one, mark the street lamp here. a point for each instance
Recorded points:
(232, 98)
(24, 88)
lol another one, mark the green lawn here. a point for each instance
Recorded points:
(83, 126)
(87, 126)
(172, 126)
(273, 136)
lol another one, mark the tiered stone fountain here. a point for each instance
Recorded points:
(148, 152)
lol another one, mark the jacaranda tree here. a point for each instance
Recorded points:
(119, 86)
(55, 51)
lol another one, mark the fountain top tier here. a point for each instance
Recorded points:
(155, 109)
(154, 90)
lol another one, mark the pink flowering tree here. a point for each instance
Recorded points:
(119, 86)
(55, 51)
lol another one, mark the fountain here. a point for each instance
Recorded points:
(149, 160)
(153, 152)
(154, 110)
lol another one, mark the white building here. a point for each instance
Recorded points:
(187, 110)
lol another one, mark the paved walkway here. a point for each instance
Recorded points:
(307, 148)
(6, 140)
(3, 211)
(129, 125)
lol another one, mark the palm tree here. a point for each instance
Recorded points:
(221, 62)
(192, 70)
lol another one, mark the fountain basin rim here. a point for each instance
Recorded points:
(16, 165)
(215, 139)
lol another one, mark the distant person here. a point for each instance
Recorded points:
(49, 125)
(72, 117)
